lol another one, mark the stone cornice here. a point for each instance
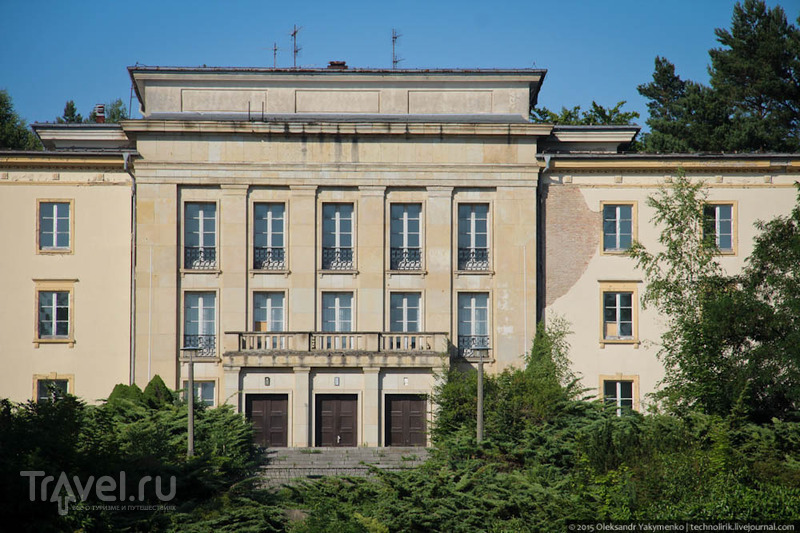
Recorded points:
(668, 165)
(62, 161)
(333, 128)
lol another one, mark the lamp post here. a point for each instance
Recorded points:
(481, 352)
(191, 350)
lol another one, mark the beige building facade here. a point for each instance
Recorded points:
(317, 245)
(66, 266)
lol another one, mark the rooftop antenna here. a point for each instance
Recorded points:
(395, 59)
(295, 49)
(275, 55)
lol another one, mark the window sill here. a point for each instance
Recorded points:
(257, 271)
(725, 253)
(68, 341)
(322, 273)
(420, 272)
(615, 252)
(459, 273)
(633, 341)
(54, 251)
(216, 272)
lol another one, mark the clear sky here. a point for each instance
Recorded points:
(52, 51)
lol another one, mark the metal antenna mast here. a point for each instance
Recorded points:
(395, 59)
(295, 49)
(274, 55)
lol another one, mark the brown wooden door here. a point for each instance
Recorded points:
(270, 416)
(406, 420)
(337, 418)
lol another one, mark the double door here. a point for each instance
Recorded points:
(336, 420)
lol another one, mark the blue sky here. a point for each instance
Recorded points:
(53, 51)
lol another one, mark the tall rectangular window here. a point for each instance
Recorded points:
(618, 393)
(200, 236)
(718, 226)
(200, 322)
(473, 237)
(405, 249)
(337, 237)
(617, 227)
(404, 315)
(618, 315)
(473, 322)
(268, 313)
(54, 226)
(269, 252)
(337, 311)
(54, 311)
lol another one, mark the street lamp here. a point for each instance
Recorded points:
(191, 350)
(481, 353)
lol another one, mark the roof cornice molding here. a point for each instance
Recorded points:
(698, 164)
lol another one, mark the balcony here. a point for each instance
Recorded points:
(197, 258)
(405, 259)
(467, 344)
(473, 259)
(265, 258)
(337, 259)
(207, 344)
(349, 349)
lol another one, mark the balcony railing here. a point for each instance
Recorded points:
(206, 344)
(405, 259)
(197, 258)
(337, 259)
(386, 342)
(267, 258)
(467, 344)
(473, 259)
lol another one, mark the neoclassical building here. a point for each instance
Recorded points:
(319, 244)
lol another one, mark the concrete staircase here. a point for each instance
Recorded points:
(290, 465)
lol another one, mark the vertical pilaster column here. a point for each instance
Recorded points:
(302, 229)
(301, 408)
(439, 261)
(372, 407)
(370, 255)
(233, 263)
(229, 395)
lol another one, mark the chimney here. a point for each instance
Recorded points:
(337, 65)
(100, 114)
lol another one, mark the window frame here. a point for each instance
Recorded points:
(252, 248)
(489, 234)
(353, 236)
(55, 286)
(53, 376)
(353, 315)
(733, 251)
(252, 317)
(217, 268)
(40, 250)
(634, 225)
(420, 310)
(421, 235)
(620, 287)
(619, 377)
(489, 321)
(217, 338)
(201, 382)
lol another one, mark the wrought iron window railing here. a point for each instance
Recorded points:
(467, 344)
(473, 259)
(267, 258)
(197, 258)
(405, 259)
(337, 259)
(206, 344)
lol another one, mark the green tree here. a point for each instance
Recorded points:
(71, 115)
(14, 133)
(753, 102)
(596, 116)
(732, 341)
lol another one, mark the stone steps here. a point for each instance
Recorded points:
(286, 466)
